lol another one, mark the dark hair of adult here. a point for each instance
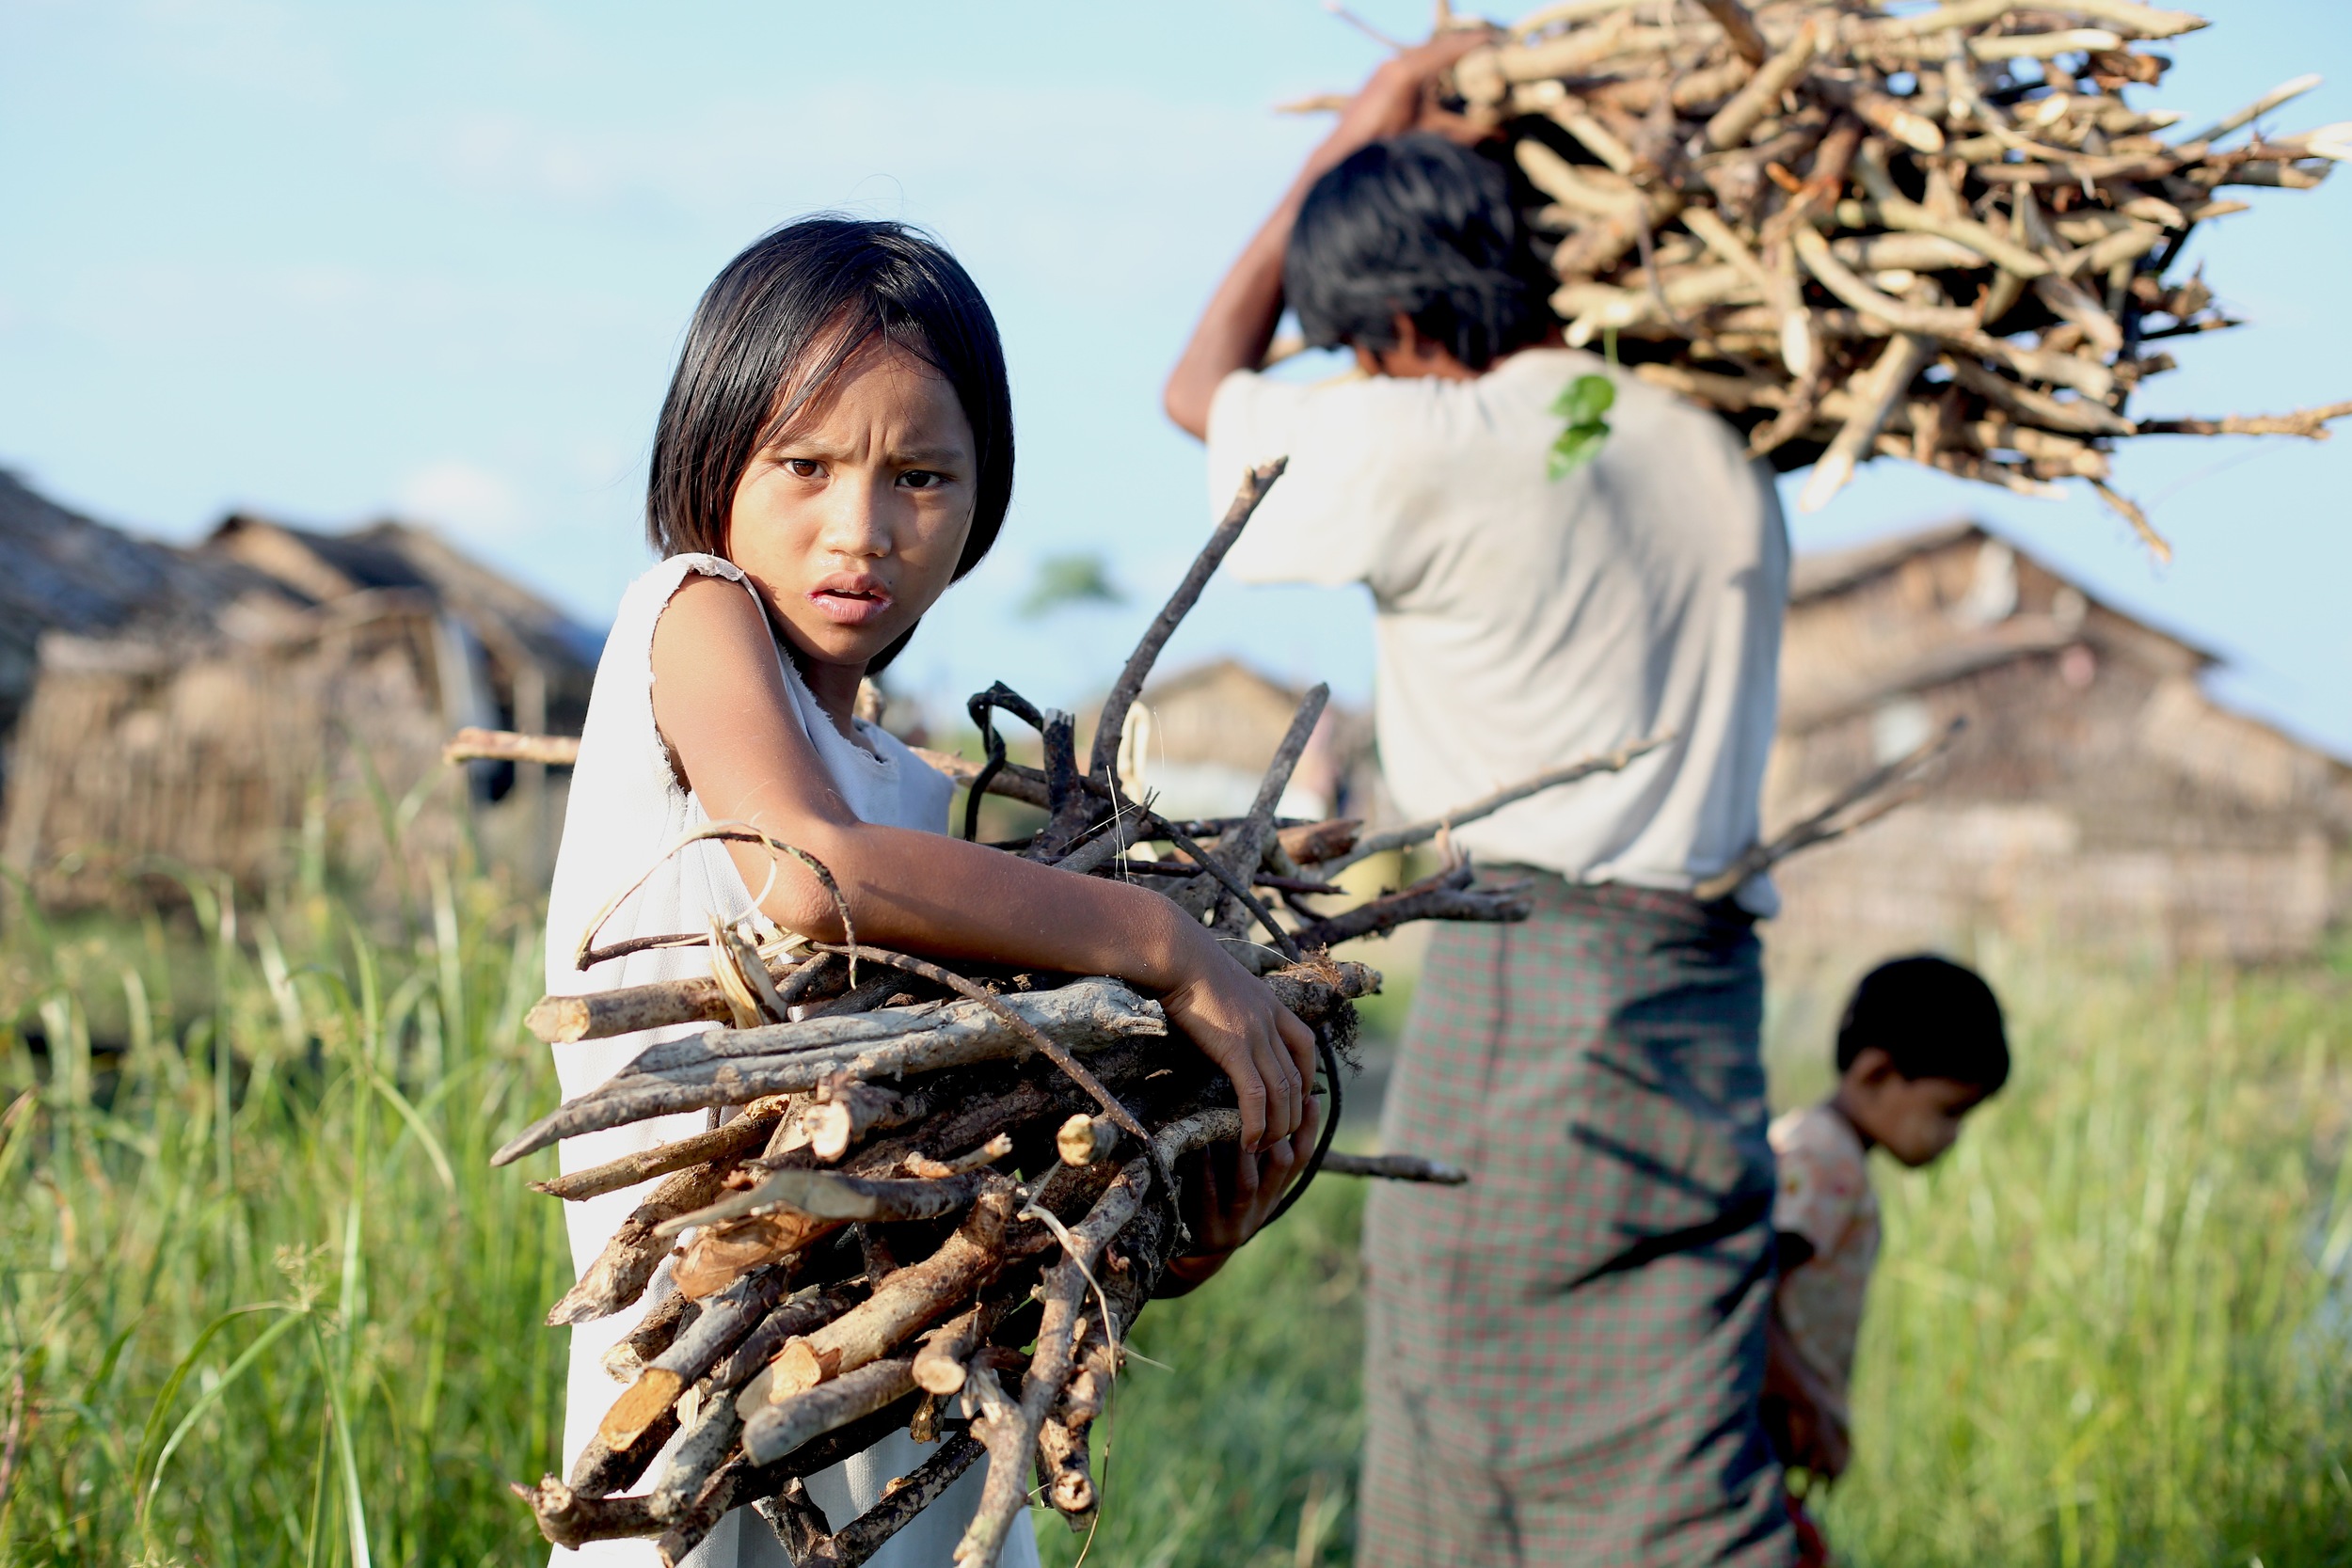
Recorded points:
(1933, 1017)
(1417, 227)
(771, 330)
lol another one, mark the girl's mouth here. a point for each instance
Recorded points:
(851, 601)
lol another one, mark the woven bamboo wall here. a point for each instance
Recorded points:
(134, 757)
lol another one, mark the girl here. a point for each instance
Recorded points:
(836, 450)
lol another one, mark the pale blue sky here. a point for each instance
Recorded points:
(331, 260)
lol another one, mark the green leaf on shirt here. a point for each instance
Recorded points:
(1586, 398)
(1584, 404)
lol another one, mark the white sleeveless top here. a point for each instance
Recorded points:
(625, 808)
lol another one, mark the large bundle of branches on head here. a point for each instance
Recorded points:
(1947, 235)
(946, 1191)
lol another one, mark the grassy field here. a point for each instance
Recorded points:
(262, 1302)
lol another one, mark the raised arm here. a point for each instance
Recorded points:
(720, 701)
(1239, 321)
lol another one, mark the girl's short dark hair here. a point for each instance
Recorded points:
(770, 331)
(1933, 1017)
(1419, 226)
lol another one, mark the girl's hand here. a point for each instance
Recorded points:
(1260, 1045)
(1230, 1193)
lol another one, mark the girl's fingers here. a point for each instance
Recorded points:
(1245, 1186)
(1212, 1191)
(1284, 1096)
(1250, 1098)
(1299, 1041)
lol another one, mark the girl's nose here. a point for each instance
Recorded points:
(855, 521)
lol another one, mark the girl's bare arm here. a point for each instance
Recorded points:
(720, 701)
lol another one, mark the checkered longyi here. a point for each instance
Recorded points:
(1563, 1356)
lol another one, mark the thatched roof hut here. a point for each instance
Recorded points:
(60, 571)
(521, 637)
(2098, 800)
(273, 705)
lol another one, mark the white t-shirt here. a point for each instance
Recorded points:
(1526, 621)
(625, 808)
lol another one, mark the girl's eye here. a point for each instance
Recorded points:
(922, 478)
(806, 468)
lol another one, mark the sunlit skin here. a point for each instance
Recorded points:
(1914, 1119)
(1413, 356)
(849, 526)
(1238, 324)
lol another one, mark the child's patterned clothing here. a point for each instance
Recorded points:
(1825, 1197)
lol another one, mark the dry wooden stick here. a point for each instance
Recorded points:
(1045, 1045)
(857, 1541)
(661, 1324)
(2310, 423)
(810, 1310)
(1104, 763)
(723, 1322)
(571, 1519)
(1009, 1429)
(899, 1307)
(620, 1273)
(1447, 895)
(722, 1253)
(1746, 39)
(701, 1449)
(1241, 851)
(1822, 825)
(475, 744)
(779, 1426)
(560, 1020)
(1875, 396)
(1395, 1167)
(726, 1144)
(1487, 805)
(704, 1071)
(600, 1470)
(825, 1195)
(1160, 828)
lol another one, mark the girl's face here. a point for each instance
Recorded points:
(851, 524)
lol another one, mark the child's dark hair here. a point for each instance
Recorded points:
(1933, 1017)
(770, 331)
(1419, 226)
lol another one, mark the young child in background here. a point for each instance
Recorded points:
(1920, 1046)
(836, 449)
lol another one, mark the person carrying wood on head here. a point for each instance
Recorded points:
(1565, 1356)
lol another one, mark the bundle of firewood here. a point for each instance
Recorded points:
(946, 1191)
(1944, 235)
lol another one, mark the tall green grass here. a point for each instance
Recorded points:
(2113, 1325)
(1233, 1436)
(263, 1302)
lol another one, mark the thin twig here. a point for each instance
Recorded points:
(1052, 1049)
(1104, 763)
(1487, 805)
(1821, 826)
